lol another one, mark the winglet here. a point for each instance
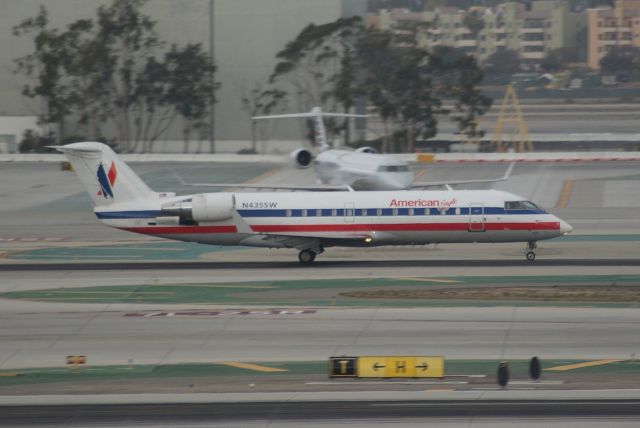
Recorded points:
(507, 174)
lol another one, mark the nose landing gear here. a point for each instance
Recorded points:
(531, 256)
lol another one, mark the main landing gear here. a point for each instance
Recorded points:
(307, 256)
(531, 256)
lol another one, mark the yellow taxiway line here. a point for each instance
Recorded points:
(255, 367)
(565, 194)
(585, 364)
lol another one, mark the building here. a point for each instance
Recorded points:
(13, 128)
(531, 31)
(608, 27)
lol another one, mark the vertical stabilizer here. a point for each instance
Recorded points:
(319, 130)
(107, 179)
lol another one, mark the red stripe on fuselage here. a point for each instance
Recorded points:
(319, 228)
(448, 227)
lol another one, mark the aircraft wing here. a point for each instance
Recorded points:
(303, 242)
(309, 188)
(507, 174)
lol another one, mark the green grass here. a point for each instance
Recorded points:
(517, 368)
(252, 293)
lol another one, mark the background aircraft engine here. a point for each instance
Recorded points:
(301, 158)
(367, 149)
(212, 206)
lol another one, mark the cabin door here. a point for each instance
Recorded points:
(476, 218)
(349, 212)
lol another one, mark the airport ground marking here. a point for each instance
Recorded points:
(255, 367)
(584, 364)
(443, 281)
(208, 285)
(565, 194)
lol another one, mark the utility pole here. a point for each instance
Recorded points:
(212, 110)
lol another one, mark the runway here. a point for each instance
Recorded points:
(345, 264)
(42, 334)
(318, 412)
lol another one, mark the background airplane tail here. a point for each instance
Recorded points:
(316, 114)
(107, 178)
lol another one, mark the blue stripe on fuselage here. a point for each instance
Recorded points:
(324, 212)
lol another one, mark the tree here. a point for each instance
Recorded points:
(188, 84)
(557, 59)
(317, 66)
(458, 76)
(259, 101)
(399, 85)
(473, 21)
(404, 81)
(45, 67)
(503, 63)
(621, 60)
(115, 68)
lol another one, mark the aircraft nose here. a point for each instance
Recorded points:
(565, 227)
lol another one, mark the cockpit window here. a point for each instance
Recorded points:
(520, 205)
(393, 168)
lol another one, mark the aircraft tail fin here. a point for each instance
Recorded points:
(316, 114)
(105, 176)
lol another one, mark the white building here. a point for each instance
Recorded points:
(12, 129)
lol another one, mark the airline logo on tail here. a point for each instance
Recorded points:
(106, 180)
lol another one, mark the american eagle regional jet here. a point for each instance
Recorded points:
(307, 221)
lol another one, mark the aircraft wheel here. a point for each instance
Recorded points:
(531, 256)
(306, 256)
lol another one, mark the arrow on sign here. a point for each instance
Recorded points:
(377, 366)
(423, 366)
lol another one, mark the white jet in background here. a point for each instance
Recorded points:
(360, 169)
(307, 221)
(336, 169)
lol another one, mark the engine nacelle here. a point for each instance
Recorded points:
(203, 207)
(301, 158)
(212, 206)
(367, 149)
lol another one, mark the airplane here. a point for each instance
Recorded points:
(307, 221)
(361, 169)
